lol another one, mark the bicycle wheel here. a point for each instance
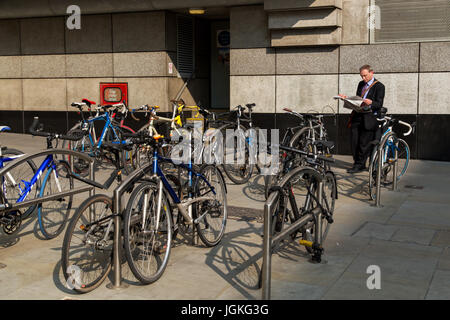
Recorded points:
(373, 165)
(301, 138)
(128, 155)
(329, 195)
(402, 159)
(211, 214)
(239, 169)
(53, 215)
(83, 145)
(147, 234)
(13, 181)
(87, 248)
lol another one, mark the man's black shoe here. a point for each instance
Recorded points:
(349, 170)
(356, 169)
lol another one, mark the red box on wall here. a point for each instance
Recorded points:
(111, 92)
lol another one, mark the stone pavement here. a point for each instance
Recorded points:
(408, 238)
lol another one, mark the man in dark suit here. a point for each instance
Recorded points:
(364, 125)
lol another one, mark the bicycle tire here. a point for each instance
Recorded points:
(329, 196)
(132, 223)
(373, 174)
(47, 216)
(403, 153)
(19, 176)
(128, 157)
(213, 215)
(102, 257)
(243, 172)
(83, 145)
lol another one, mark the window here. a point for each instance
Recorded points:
(407, 20)
(185, 46)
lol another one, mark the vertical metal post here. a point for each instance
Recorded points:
(395, 169)
(267, 250)
(380, 163)
(318, 217)
(117, 279)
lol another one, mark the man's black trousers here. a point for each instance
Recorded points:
(361, 141)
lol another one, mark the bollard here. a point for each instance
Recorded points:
(395, 169)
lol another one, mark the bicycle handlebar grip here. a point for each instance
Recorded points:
(72, 137)
(33, 127)
(406, 125)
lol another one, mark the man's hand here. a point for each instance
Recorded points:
(367, 102)
(343, 96)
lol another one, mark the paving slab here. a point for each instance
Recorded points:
(408, 238)
(377, 231)
(417, 213)
(414, 235)
(440, 286)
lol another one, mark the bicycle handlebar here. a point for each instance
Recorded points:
(409, 126)
(406, 125)
(34, 132)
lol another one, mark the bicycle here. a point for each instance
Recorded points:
(53, 216)
(10, 183)
(298, 196)
(307, 140)
(148, 219)
(111, 131)
(241, 167)
(395, 150)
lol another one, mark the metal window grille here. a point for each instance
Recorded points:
(407, 20)
(185, 45)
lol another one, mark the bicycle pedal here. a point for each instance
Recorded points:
(6, 220)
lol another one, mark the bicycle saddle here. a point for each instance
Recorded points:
(4, 128)
(88, 102)
(250, 106)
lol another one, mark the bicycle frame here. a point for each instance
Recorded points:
(158, 172)
(28, 185)
(9, 176)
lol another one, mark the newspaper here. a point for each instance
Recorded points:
(353, 103)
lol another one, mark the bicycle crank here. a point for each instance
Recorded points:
(11, 222)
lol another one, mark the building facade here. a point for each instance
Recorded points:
(275, 53)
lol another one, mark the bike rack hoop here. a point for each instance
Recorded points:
(44, 153)
(268, 241)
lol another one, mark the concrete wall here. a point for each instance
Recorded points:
(416, 76)
(45, 66)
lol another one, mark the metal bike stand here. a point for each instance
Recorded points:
(267, 246)
(269, 241)
(395, 169)
(378, 183)
(117, 283)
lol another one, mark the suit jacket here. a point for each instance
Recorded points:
(376, 94)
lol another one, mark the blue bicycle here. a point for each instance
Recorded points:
(12, 186)
(112, 131)
(158, 208)
(395, 150)
(56, 178)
